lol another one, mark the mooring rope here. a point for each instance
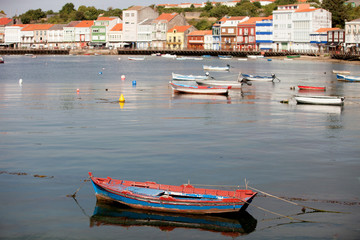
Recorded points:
(82, 184)
(291, 202)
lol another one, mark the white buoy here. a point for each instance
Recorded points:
(20, 81)
(122, 77)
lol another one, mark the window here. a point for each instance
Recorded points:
(223, 30)
(240, 31)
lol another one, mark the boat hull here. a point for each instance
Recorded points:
(348, 78)
(311, 88)
(211, 68)
(106, 189)
(320, 100)
(188, 77)
(249, 77)
(215, 83)
(199, 89)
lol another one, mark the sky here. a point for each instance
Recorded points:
(18, 7)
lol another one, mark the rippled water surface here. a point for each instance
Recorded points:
(52, 136)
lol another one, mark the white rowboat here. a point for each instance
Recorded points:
(194, 89)
(219, 83)
(320, 100)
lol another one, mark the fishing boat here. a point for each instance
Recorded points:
(348, 78)
(212, 68)
(1, 60)
(249, 77)
(320, 100)
(136, 58)
(301, 87)
(341, 72)
(196, 89)
(242, 59)
(168, 198)
(181, 77)
(119, 216)
(190, 58)
(219, 83)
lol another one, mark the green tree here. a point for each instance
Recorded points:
(32, 15)
(67, 9)
(219, 11)
(208, 6)
(285, 2)
(338, 10)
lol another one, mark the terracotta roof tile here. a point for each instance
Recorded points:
(326, 29)
(4, 21)
(201, 33)
(33, 27)
(87, 23)
(105, 18)
(167, 16)
(180, 28)
(117, 27)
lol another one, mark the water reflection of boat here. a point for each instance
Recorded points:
(230, 225)
(202, 97)
(320, 108)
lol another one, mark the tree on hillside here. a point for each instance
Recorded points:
(285, 2)
(244, 8)
(208, 6)
(338, 10)
(32, 15)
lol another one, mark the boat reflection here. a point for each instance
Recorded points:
(320, 108)
(119, 215)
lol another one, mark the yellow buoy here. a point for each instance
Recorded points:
(121, 99)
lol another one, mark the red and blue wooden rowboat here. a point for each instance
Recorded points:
(311, 88)
(168, 198)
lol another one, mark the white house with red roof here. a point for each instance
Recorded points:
(13, 35)
(305, 22)
(3, 23)
(115, 36)
(82, 33)
(56, 36)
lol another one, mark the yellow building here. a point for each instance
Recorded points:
(177, 37)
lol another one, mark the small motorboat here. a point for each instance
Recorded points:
(2, 60)
(196, 89)
(312, 88)
(211, 68)
(249, 77)
(320, 100)
(222, 57)
(168, 198)
(181, 77)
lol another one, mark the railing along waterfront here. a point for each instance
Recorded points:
(10, 51)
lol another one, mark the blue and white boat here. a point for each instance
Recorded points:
(215, 68)
(348, 78)
(249, 77)
(181, 77)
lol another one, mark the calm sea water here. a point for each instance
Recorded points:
(52, 136)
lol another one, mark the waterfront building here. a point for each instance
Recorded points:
(83, 33)
(177, 37)
(319, 38)
(35, 35)
(69, 35)
(216, 32)
(100, 28)
(283, 25)
(246, 34)
(131, 19)
(13, 35)
(352, 35)
(56, 36)
(208, 40)
(264, 34)
(306, 21)
(145, 30)
(3, 23)
(228, 32)
(335, 40)
(196, 39)
(115, 36)
(162, 24)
